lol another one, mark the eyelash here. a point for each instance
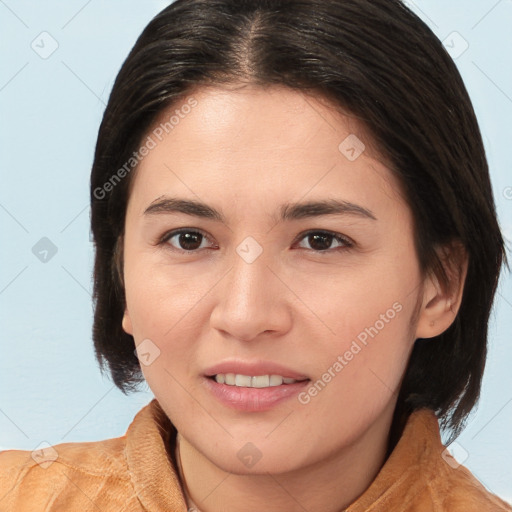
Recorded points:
(345, 241)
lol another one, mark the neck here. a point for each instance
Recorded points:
(330, 484)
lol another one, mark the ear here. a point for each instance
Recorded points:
(127, 323)
(441, 301)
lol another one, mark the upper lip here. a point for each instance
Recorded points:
(253, 369)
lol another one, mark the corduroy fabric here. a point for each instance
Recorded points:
(137, 473)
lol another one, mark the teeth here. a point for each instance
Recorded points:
(246, 381)
(243, 381)
(275, 380)
(262, 381)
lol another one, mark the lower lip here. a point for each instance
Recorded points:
(253, 399)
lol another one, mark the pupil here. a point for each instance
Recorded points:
(188, 240)
(322, 245)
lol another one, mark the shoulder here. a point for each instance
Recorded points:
(421, 475)
(82, 456)
(453, 487)
(74, 474)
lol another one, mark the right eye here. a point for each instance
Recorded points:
(185, 240)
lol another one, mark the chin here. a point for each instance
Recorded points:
(255, 458)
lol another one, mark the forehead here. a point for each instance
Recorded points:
(236, 119)
(260, 143)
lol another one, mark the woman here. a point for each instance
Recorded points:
(297, 248)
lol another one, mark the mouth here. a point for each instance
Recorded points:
(253, 391)
(254, 381)
(256, 373)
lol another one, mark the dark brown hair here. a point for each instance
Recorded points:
(373, 58)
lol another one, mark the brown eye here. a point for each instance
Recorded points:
(321, 241)
(185, 240)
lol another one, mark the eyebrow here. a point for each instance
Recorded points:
(287, 211)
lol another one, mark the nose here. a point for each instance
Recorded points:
(251, 301)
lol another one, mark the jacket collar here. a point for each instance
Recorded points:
(152, 468)
(151, 440)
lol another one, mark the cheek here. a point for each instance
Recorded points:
(359, 370)
(374, 300)
(164, 305)
(159, 297)
(162, 311)
(369, 342)
(365, 335)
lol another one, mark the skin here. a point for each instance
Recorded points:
(246, 151)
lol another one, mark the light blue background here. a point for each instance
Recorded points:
(51, 388)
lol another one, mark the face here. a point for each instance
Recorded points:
(259, 283)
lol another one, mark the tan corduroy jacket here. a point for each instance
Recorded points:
(137, 472)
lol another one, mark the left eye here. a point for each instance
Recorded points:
(320, 241)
